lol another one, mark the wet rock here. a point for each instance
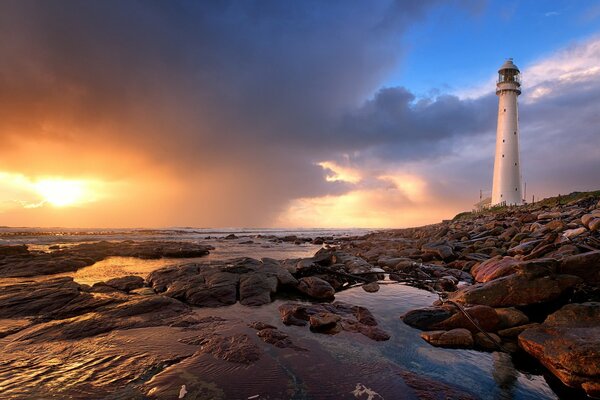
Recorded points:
(354, 265)
(323, 321)
(13, 325)
(594, 225)
(256, 289)
(426, 318)
(484, 316)
(510, 317)
(555, 226)
(455, 338)
(585, 266)
(15, 249)
(483, 341)
(143, 291)
(259, 325)
(207, 290)
(333, 318)
(34, 298)
(516, 330)
(362, 315)
(221, 283)
(136, 312)
(567, 344)
(316, 288)
(277, 338)
(516, 290)
(293, 314)
(101, 287)
(523, 248)
(126, 283)
(573, 233)
(318, 240)
(371, 287)
(442, 251)
(494, 268)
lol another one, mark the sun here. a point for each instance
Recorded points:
(61, 192)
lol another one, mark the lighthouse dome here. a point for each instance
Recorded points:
(508, 64)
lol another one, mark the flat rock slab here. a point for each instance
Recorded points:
(568, 344)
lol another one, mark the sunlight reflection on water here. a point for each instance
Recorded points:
(114, 267)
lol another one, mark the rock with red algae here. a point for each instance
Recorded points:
(568, 344)
(494, 268)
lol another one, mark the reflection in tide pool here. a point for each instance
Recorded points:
(114, 267)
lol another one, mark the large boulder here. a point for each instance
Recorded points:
(516, 290)
(256, 289)
(585, 265)
(484, 316)
(316, 288)
(568, 344)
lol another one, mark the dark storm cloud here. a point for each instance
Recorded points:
(395, 126)
(237, 91)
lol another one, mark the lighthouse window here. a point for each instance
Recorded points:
(515, 164)
(515, 133)
(502, 155)
(515, 189)
(505, 110)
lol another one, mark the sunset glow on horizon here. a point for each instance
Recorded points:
(220, 115)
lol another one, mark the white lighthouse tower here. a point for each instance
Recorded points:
(507, 188)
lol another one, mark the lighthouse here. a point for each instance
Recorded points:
(507, 188)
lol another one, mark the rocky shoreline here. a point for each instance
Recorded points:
(535, 274)
(514, 280)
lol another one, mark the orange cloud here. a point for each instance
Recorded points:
(400, 200)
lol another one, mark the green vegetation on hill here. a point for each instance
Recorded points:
(559, 200)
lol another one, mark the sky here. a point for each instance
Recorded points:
(284, 113)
